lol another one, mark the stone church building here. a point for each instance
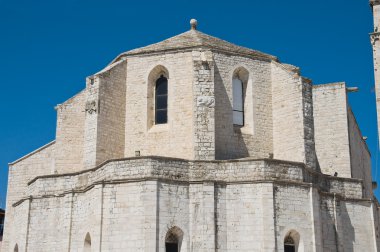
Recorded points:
(196, 144)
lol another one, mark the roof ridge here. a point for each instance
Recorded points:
(193, 39)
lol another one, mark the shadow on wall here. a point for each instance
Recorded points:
(338, 232)
(229, 140)
(345, 230)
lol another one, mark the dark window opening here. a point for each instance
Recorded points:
(289, 248)
(161, 101)
(289, 245)
(171, 247)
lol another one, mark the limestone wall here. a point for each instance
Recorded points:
(360, 155)
(356, 226)
(217, 205)
(204, 105)
(254, 139)
(347, 225)
(175, 205)
(294, 217)
(174, 139)
(375, 40)
(111, 114)
(86, 218)
(105, 115)
(70, 134)
(308, 122)
(37, 163)
(49, 227)
(331, 133)
(288, 114)
(247, 223)
(212, 216)
(376, 219)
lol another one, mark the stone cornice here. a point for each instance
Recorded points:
(153, 168)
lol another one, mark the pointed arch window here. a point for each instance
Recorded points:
(289, 244)
(87, 243)
(238, 102)
(171, 243)
(173, 240)
(16, 248)
(161, 100)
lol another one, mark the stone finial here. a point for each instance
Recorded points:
(193, 23)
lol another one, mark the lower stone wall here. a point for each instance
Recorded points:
(121, 206)
(248, 223)
(137, 216)
(294, 217)
(49, 224)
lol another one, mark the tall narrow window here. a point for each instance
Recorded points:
(16, 248)
(161, 100)
(238, 103)
(289, 245)
(87, 243)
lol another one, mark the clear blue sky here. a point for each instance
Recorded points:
(47, 48)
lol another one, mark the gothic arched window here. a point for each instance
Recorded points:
(289, 244)
(16, 248)
(171, 243)
(87, 243)
(238, 102)
(173, 240)
(161, 100)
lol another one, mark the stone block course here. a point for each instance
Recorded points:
(115, 180)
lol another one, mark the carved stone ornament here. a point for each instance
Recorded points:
(375, 37)
(91, 107)
(206, 101)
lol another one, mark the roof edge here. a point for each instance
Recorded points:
(32, 153)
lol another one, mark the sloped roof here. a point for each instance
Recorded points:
(196, 39)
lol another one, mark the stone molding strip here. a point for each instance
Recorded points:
(160, 158)
(184, 171)
(124, 181)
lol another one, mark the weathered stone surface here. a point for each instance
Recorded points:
(198, 179)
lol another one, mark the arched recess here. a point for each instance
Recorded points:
(87, 243)
(16, 248)
(242, 100)
(156, 76)
(173, 239)
(293, 242)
